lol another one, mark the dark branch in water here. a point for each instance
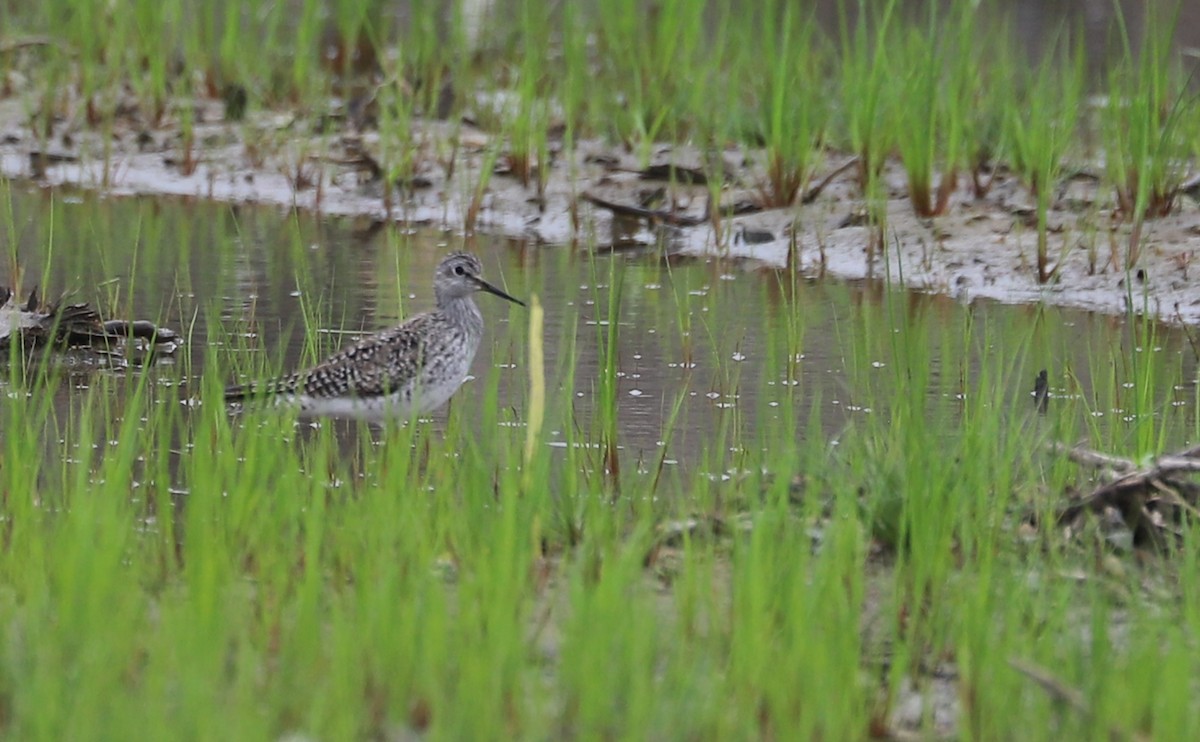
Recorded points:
(61, 326)
(1152, 500)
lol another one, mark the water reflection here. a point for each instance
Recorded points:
(738, 349)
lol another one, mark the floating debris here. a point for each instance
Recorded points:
(61, 326)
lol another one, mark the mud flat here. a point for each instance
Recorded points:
(460, 179)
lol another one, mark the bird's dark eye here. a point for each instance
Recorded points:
(458, 271)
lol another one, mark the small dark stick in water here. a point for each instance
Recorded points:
(1041, 392)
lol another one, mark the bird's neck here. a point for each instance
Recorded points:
(463, 312)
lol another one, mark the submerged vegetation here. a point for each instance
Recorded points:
(680, 500)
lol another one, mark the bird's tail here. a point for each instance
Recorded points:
(260, 390)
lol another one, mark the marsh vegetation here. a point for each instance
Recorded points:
(694, 499)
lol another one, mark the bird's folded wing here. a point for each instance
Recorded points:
(373, 367)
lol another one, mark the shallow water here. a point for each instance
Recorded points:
(735, 344)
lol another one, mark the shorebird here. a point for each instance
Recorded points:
(410, 369)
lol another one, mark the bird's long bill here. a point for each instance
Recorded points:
(484, 285)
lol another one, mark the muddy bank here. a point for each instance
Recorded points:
(985, 248)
